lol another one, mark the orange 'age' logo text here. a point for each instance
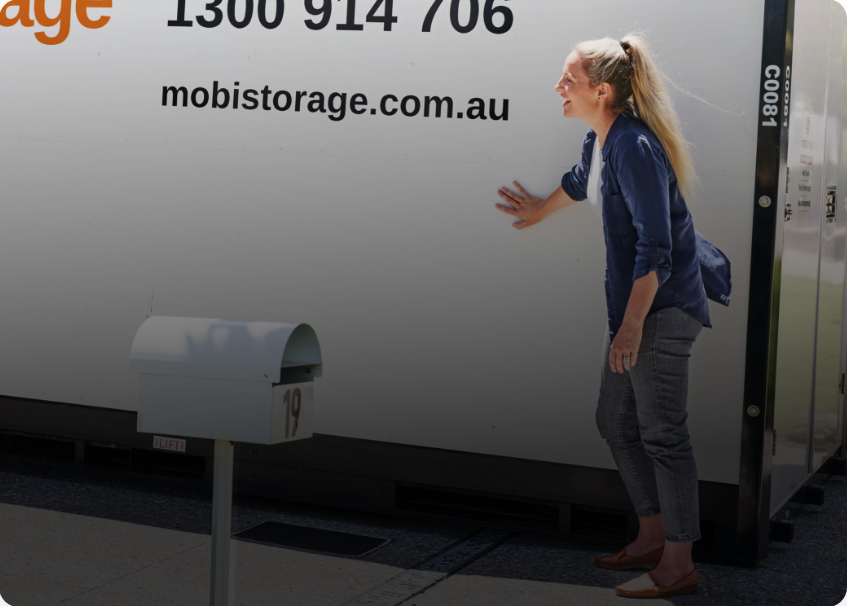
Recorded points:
(23, 16)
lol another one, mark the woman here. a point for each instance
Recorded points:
(635, 165)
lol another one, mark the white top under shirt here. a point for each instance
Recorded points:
(595, 181)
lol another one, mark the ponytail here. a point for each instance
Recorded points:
(638, 88)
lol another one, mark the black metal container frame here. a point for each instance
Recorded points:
(499, 491)
(763, 310)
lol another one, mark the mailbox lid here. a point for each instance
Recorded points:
(222, 349)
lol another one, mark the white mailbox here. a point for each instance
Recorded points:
(229, 382)
(225, 380)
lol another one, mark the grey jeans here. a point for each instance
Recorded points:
(641, 414)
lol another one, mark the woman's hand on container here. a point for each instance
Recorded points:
(529, 209)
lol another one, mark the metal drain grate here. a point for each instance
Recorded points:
(431, 571)
(311, 539)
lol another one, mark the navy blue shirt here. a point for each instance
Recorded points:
(648, 227)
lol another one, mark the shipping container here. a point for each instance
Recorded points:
(337, 163)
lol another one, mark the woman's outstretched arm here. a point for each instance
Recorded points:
(531, 209)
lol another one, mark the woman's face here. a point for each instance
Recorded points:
(579, 97)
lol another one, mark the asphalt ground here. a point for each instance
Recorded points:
(811, 570)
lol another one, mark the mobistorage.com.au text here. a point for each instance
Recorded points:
(335, 105)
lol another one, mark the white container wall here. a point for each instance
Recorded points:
(379, 231)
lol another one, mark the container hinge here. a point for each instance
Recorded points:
(774, 441)
(787, 178)
(841, 384)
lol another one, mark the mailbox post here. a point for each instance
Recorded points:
(230, 382)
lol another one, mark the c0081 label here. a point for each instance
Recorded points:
(771, 95)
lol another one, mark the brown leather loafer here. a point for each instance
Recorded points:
(621, 561)
(646, 587)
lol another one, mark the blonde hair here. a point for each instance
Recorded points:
(638, 88)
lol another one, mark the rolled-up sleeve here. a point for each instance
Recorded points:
(575, 182)
(642, 172)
